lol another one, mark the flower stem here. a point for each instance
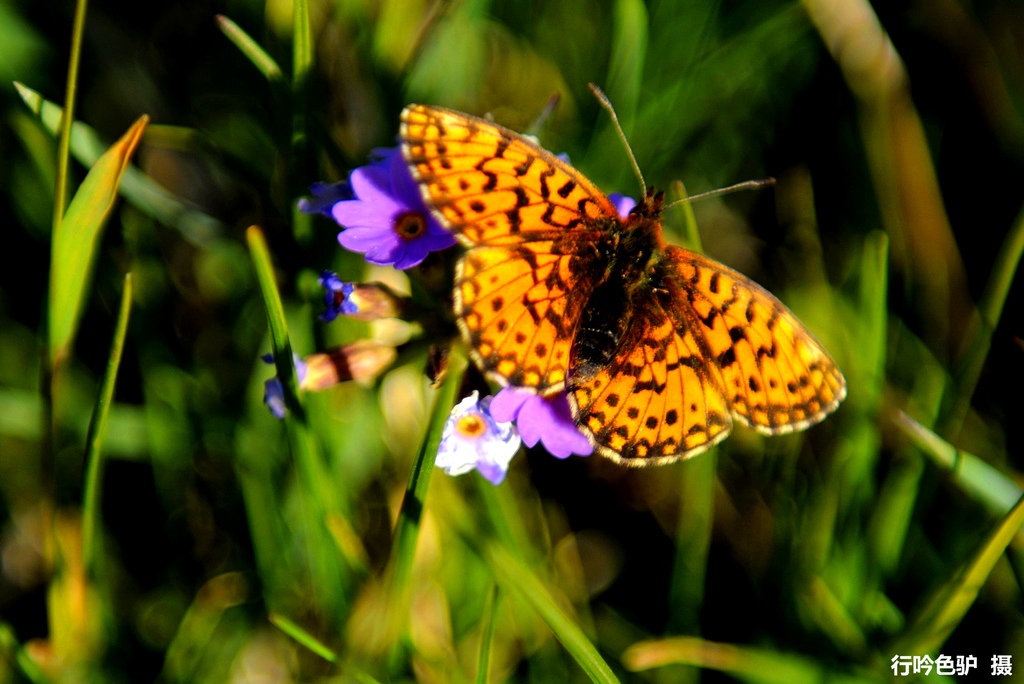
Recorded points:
(411, 513)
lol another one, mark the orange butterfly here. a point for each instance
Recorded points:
(658, 348)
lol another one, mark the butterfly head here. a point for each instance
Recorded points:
(650, 204)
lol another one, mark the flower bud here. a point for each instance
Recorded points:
(361, 361)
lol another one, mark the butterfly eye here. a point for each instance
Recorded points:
(410, 225)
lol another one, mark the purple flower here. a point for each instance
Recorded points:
(324, 197)
(336, 297)
(622, 203)
(544, 419)
(388, 221)
(362, 301)
(273, 390)
(472, 438)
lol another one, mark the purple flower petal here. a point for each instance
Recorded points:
(410, 256)
(324, 196)
(273, 390)
(362, 238)
(403, 185)
(622, 203)
(379, 214)
(372, 184)
(437, 242)
(385, 253)
(493, 472)
(273, 397)
(506, 403)
(542, 419)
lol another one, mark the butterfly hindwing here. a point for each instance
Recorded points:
(518, 307)
(655, 399)
(776, 377)
(701, 346)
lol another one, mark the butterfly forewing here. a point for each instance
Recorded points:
(492, 186)
(528, 219)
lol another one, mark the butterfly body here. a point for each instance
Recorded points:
(658, 348)
(630, 258)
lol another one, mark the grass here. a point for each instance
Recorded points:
(156, 522)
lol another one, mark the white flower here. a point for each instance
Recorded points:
(473, 439)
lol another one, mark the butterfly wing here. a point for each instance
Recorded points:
(490, 185)
(655, 399)
(533, 226)
(702, 347)
(776, 377)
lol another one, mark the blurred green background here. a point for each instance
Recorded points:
(223, 545)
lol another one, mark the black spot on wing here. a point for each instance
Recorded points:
(545, 191)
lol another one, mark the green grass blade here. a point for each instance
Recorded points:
(384, 630)
(516, 578)
(891, 520)
(303, 637)
(206, 629)
(822, 604)
(315, 484)
(690, 234)
(302, 53)
(75, 241)
(70, 91)
(316, 480)
(302, 66)
(624, 81)
(748, 664)
(483, 661)
(414, 501)
(629, 51)
(259, 57)
(283, 359)
(990, 308)
(994, 297)
(989, 486)
(142, 191)
(943, 613)
(13, 652)
(693, 537)
(504, 511)
(97, 432)
(874, 293)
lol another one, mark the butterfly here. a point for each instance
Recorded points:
(659, 349)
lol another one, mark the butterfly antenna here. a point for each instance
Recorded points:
(606, 103)
(745, 185)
